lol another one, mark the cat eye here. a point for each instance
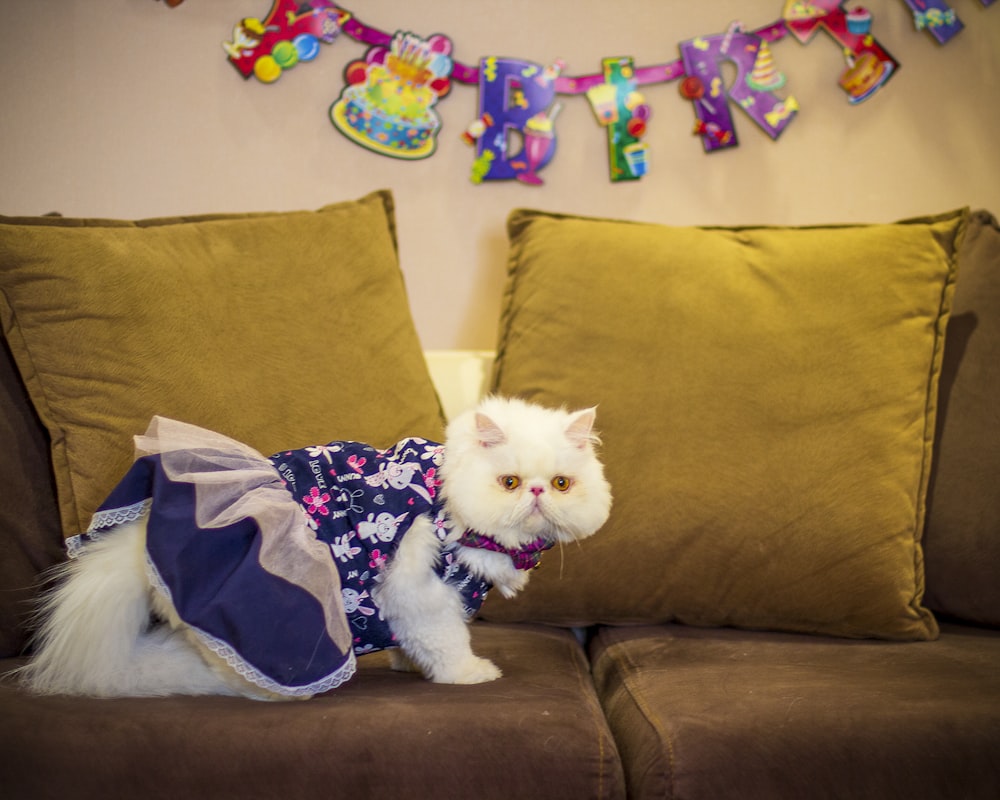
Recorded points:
(561, 483)
(510, 482)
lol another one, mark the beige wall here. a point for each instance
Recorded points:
(128, 108)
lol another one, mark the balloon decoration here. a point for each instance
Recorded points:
(388, 102)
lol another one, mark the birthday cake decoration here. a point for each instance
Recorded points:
(388, 103)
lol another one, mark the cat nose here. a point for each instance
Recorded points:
(537, 490)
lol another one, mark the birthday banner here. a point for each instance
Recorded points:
(388, 102)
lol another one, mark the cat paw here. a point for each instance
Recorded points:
(400, 662)
(513, 584)
(472, 670)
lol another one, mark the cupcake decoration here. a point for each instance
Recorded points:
(859, 20)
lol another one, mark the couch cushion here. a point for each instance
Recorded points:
(537, 732)
(708, 713)
(279, 330)
(962, 537)
(766, 398)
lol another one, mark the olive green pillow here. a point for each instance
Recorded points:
(766, 398)
(279, 330)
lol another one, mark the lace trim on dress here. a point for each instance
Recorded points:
(113, 517)
(247, 671)
(339, 676)
(104, 521)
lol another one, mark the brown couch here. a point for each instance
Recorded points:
(796, 595)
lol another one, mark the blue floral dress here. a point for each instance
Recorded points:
(274, 562)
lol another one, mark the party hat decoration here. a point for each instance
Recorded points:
(765, 77)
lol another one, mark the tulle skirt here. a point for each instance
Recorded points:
(234, 552)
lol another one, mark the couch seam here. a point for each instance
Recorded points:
(651, 717)
(587, 685)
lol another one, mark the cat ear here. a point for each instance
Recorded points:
(490, 434)
(580, 430)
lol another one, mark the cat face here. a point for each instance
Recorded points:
(516, 471)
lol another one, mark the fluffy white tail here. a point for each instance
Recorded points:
(95, 638)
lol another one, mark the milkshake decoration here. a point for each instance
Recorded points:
(539, 139)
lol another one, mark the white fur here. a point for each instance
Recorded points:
(96, 636)
(510, 437)
(426, 614)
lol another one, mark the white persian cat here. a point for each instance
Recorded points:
(212, 570)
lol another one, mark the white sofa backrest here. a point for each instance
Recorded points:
(460, 376)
